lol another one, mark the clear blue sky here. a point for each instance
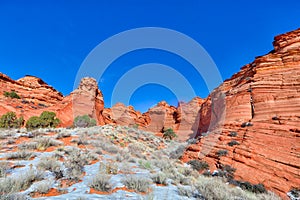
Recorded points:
(50, 39)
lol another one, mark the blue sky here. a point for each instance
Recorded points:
(50, 39)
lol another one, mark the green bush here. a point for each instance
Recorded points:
(169, 133)
(255, 188)
(84, 121)
(198, 165)
(11, 94)
(232, 143)
(222, 152)
(46, 119)
(10, 120)
(33, 122)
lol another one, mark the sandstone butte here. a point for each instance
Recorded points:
(264, 93)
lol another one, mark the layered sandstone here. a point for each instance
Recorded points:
(265, 93)
(37, 96)
(124, 115)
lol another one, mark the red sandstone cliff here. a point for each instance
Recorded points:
(265, 93)
(37, 96)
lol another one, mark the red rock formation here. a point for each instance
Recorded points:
(188, 117)
(87, 99)
(37, 96)
(265, 93)
(162, 116)
(122, 115)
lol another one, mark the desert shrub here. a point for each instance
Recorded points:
(46, 119)
(49, 163)
(185, 191)
(84, 121)
(4, 166)
(43, 143)
(11, 94)
(198, 165)
(10, 120)
(108, 168)
(169, 133)
(145, 164)
(13, 196)
(178, 152)
(294, 192)
(20, 155)
(178, 178)
(232, 143)
(136, 149)
(21, 182)
(222, 152)
(255, 188)
(159, 178)
(74, 163)
(138, 184)
(43, 187)
(226, 171)
(33, 122)
(63, 135)
(101, 183)
(233, 134)
(245, 124)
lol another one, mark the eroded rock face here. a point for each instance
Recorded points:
(35, 96)
(188, 118)
(265, 93)
(87, 99)
(122, 115)
(162, 116)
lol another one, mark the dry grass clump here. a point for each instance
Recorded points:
(101, 182)
(44, 142)
(43, 187)
(13, 196)
(11, 185)
(20, 155)
(136, 183)
(159, 178)
(108, 168)
(63, 135)
(40, 143)
(185, 191)
(75, 162)
(4, 166)
(217, 189)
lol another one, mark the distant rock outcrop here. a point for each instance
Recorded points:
(122, 115)
(262, 115)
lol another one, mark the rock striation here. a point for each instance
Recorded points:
(261, 113)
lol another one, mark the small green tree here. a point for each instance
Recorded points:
(46, 119)
(33, 122)
(10, 120)
(84, 121)
(169, 133)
